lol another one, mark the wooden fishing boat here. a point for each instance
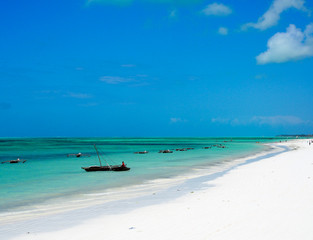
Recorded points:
(106, 168)
(117, 168)
(165, 151)
(142, 152)
(181, 149)
(15, 161)
(77, 155)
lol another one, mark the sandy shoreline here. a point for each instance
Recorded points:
(266, 199)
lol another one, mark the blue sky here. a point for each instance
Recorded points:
(124, 68)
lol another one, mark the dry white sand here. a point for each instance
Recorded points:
(267, 199)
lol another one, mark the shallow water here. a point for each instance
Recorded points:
(48, 173)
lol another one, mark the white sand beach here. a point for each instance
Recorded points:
(271, 198)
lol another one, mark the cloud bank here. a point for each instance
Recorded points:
(261, 120)
(217, 9)
(277, 120)
(286, 46)
(272, 15)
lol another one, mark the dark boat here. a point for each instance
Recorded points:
(142, 152)
(77, 155)
(165, 151)
(117, 168)
(106, 168)
(15, 161)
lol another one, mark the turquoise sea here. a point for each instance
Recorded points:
(49, 173)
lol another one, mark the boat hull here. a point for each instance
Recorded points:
(116, 168)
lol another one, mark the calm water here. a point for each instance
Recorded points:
(48, 173)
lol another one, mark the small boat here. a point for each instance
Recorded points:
(15, 161)
(181, 149)
(165, 151)
(78, 155)
(142, 152)
(117, 168)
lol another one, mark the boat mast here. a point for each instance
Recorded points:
(99, 158)
(98, 154)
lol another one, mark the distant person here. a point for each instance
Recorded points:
(123, 164)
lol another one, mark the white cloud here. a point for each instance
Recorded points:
(217, 9)
(128, 65)
(261, 120)
(220, 120)
(77, 95)
(92, 104)
(223, 31)
(287, 46)
(277, 120)
(50, 91)
(230, 121)
(115, 79)
(176, 120)
(272, 15)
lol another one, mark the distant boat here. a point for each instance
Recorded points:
(117, 168)
(15, 161)
(165, 151)
(142, 152)
(181, 149)
(77, 155)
